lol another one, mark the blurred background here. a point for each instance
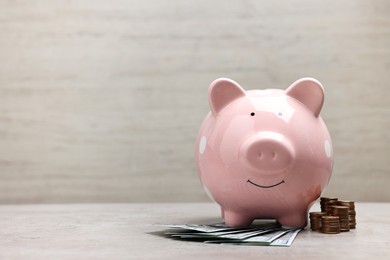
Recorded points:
(101, 101)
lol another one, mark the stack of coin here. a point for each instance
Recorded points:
(332, 209)
(315, 220)
(326, 203)
(330, 225)
(342, 213)
(352, 212)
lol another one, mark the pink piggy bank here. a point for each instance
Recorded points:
(264, 153)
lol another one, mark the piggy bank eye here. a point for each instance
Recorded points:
(253, 114)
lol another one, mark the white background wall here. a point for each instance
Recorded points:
(100, 101)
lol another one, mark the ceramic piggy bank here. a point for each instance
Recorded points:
(264, 153)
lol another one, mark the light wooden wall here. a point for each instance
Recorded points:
(100, 101)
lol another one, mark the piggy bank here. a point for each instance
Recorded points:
(264, 154)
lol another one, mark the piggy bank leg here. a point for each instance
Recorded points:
(234, 219)
(293, 219)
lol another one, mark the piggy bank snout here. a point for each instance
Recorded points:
(267, 152)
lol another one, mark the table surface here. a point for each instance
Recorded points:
(126, 231)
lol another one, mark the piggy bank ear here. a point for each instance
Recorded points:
(309, 92)
(222, 92)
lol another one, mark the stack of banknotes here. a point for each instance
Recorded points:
(258, 234)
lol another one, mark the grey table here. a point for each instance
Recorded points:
(126, 231)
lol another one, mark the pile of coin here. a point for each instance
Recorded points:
(351, 212)
(336, 216)
(330, 225)
(316, 220)
(342, 213)
(326, 203)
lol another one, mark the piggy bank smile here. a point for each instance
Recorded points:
(262, 186)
